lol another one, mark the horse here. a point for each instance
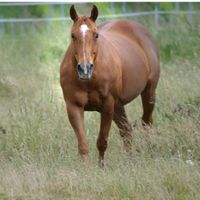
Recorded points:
(105, 67)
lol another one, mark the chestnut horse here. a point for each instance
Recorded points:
(104, 68)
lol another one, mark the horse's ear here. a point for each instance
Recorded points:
(73, 13)
(94, 13)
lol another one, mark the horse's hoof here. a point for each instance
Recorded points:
(85, 158)
(146, 126)
(101, 163)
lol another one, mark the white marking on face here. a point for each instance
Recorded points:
(83, 29)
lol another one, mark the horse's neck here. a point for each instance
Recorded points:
(106, 48)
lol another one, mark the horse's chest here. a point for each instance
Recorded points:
(94, 101)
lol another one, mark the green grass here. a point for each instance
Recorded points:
(38, 149)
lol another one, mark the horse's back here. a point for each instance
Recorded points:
(138, 53)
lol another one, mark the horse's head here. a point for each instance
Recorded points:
(84, 38)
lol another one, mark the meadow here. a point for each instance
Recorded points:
(38, 149)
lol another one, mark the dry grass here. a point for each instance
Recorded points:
(38, 150)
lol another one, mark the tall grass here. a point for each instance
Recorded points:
(38, 149)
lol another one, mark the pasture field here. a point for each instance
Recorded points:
(38, 150)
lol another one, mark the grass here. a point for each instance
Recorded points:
(38, 149)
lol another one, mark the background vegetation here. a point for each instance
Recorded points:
(52, 10)
(38, 150)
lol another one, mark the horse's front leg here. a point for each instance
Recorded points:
(106, 120)
(76, 118)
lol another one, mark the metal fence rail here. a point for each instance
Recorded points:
(13, 25)
(122, 15)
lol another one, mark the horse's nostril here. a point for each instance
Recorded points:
(79, 68)
(89, 66)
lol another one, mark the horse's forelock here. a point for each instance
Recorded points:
(84, 20)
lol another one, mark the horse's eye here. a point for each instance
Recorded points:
(96, 35)
(73, 36)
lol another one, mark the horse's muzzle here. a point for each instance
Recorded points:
(85, 71)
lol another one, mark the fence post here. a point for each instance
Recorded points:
(62, 10)
(190, 8)
(112, 6)
(124, 7)
(33, 27)
(177, 6)
(3, 31)
(21, 30)
(157, 8)
(12, 32)
(51, 13)
(138, 7)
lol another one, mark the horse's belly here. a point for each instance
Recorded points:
(134, 73)
(129, 92)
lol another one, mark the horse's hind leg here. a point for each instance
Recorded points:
(124, 126)
(148, 102)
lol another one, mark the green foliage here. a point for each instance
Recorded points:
(3, 196)
(22, 11)
(177, 46)
(104, 8)
(167, 6)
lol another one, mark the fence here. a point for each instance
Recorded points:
(17, 25)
